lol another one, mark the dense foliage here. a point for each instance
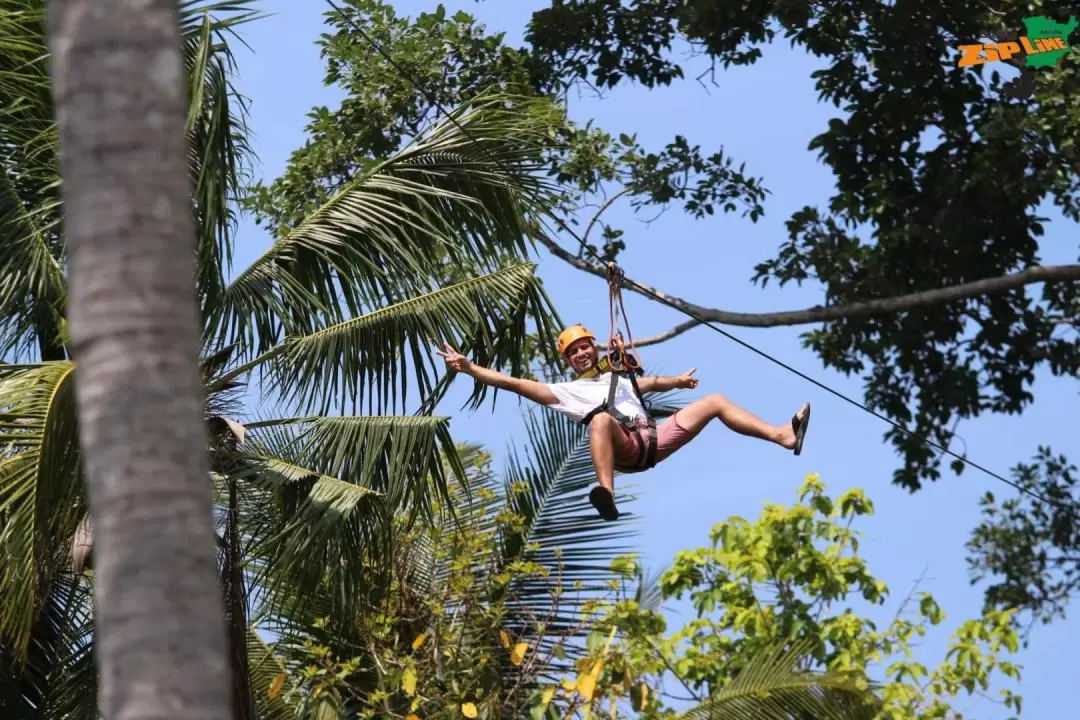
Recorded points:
(775, 596)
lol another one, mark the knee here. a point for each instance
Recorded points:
(602, 426)
(718, 402)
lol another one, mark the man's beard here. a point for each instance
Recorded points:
(586, 365)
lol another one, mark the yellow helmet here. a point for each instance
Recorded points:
(571, 335)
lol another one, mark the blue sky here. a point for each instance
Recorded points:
(764, 115)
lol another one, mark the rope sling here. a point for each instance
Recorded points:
(621, 361)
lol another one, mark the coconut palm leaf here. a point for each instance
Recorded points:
(561, 528)
(69, 674)
(397, 457)
(371, 357)
(32, 288)
(335, 482)
(772, 686)
(32, 256)
(469, 199)
(218, 136)
(271, 682)
(40, 488)
(546, 485)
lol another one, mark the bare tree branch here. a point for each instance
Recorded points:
(607, 203)
(818, 313)
(667, 334)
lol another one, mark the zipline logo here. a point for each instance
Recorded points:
(1044, 43)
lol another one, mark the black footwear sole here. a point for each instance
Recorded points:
(800, 426)
(604, 502)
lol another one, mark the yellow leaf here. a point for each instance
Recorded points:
(518, 653)
(418, 641)
(585, 686)
(408, 681)
(276, 684)
(414, 704)
(504, 638)
(548, 695)
(569, 685)
(468, 710)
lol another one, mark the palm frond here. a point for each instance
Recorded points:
(561, 530)
(467, 199)
(648, 594)
(772, 685)
(394, 456)
(369, 359)
(218, 136)
(265, 670)
(32, 257)
(71, 689)
(548, 486)
(40, 487)
(32, 289)
(335, 483)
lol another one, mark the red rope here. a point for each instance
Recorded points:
(619, 357)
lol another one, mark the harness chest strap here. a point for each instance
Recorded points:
(647, 453)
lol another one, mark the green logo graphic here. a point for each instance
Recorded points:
(1043, 28)
(1044, 42)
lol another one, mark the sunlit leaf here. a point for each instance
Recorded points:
(518, 653)
(408, 681)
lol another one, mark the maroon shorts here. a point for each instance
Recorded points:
(670, 436)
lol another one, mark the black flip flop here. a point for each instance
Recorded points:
(799, 426)
(604, 502)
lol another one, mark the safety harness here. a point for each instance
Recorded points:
(622, 362)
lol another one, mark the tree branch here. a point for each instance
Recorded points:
(607, 203)
(818, 313)
(667, 334)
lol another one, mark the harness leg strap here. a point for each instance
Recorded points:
(650, 452)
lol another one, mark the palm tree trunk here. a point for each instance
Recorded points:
(236, 616)
(120, 103)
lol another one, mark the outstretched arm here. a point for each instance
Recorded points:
(671, 382)
(529, 389)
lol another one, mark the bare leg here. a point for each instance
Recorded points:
(602, 445)
(602, 442)
(695, 416)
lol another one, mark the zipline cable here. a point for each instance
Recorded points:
(648, 292)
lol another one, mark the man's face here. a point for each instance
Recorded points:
(581, 355)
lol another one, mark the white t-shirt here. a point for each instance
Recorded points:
(578, 398)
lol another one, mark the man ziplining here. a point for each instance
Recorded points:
(608, 397)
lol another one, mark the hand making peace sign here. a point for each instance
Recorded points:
(454, 360)
(686, 380)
